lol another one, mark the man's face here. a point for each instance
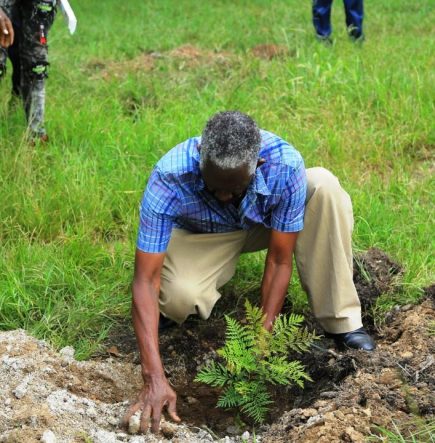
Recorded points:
(228, 186)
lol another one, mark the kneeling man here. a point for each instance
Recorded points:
(238, 189)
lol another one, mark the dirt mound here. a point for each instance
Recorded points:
(42, 391)
(395, 383)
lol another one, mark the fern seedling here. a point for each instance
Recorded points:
(255, 359)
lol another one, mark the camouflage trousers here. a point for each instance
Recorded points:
(31, 19)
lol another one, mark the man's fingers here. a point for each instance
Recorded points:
(130, 412)
(145, 419)
(6, 33)
(172, 411)
(10, 33)
(155, 420)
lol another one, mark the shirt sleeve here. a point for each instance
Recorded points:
(288, 215)
(157, 212)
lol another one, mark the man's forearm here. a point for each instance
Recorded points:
(274, 286)
(145, 313)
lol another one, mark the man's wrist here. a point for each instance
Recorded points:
(150, 378)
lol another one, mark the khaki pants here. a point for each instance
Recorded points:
(197, 265)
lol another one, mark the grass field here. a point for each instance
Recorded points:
(69, 210)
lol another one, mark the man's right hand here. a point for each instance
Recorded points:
(155, 395)
(6, 30)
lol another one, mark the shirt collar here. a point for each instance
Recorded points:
(257, 185)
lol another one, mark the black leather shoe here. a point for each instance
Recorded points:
(358, 339)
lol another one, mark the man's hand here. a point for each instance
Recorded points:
(156, 395)
(6, 30)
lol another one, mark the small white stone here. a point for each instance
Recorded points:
(233, 430)
(114, 421)
(102, 436)
(48, 437)
(91, 412)
(21, 390)
(67, 353)
(245, 436)
(8, 401)
(134, 423)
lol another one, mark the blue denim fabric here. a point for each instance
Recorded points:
(322, 17)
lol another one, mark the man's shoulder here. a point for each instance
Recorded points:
(275, 150)
(181, 159)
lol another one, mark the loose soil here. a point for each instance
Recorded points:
(352, 393)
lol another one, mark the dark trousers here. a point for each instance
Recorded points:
(322, 17)
(29, 55)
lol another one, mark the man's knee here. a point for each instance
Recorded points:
(323, 184)
(181, 297)
(38, 70)
(44, 12)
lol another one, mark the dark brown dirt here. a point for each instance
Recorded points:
(352, 393)
(374, 274)
(394, 383)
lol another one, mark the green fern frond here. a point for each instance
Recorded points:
(280, 371)
(256, 402)
(214, 375)
(287, 324)
(238, 357)
(230, 398)
(254, 317)
(301, 340)
(237, 332)
(255, 358)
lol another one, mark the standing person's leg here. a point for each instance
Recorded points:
(354, 17)
(14, 56)
(8, 7)
(3, 58)
(195, 267)
(37, 18)
(324, 254)
(322, 18)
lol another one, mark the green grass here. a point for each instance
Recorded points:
(416, 431)
(69, 211)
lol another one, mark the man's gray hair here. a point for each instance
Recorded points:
(230, 139)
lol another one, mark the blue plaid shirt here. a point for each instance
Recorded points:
(176, 197)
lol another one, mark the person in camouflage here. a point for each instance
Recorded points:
(28, 52)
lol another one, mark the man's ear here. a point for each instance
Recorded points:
(260, 161)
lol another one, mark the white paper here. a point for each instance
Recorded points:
(69, 15)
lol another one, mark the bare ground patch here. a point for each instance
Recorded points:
(351, 394)
(185, 57)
